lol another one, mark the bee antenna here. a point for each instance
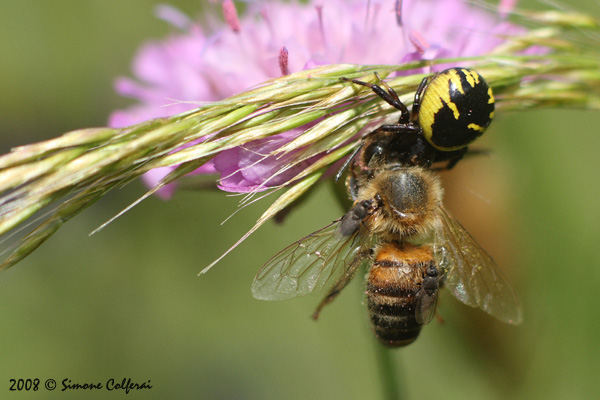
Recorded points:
(348, 161)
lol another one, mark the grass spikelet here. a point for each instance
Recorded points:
(74, 170)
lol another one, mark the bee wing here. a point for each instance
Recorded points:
(471, 274)
(316, 261)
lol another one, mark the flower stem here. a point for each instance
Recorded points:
(391, 378)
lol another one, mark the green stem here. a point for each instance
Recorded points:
(389, 371)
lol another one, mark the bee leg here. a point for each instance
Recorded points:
(340, 284)
(328, 299)
(439, 318)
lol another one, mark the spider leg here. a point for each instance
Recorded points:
(414, 114)
(389, 96)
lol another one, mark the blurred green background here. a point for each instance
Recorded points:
(126, 303)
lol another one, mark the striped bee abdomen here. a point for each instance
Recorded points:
(395, 289)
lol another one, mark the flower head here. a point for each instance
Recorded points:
(273, 39)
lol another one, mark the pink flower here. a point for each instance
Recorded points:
(273, 39)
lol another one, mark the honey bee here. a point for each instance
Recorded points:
(412, 245)
(398, 225)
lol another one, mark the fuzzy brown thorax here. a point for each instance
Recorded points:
(405, 201)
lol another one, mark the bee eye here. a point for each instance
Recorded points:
(456, 108)
(374, 150)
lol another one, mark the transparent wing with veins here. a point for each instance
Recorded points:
(425, 308)
(470, 273)
(315, 262)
